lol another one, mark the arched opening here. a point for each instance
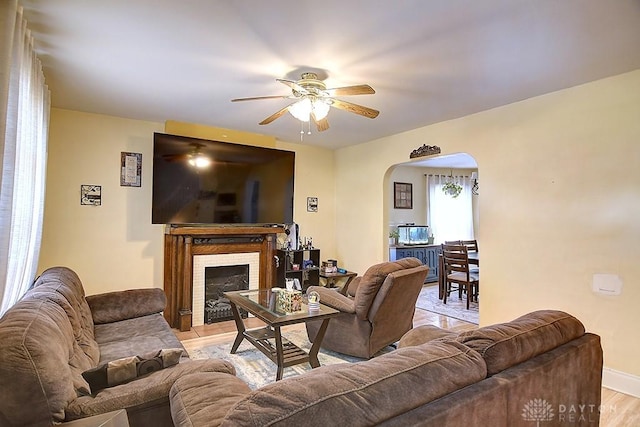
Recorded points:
(425, 216)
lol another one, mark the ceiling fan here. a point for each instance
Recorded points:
(313, 100)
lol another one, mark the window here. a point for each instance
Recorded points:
(23, 147)
(450, 218)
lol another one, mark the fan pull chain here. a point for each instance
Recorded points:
(309, 127)
(301, 131)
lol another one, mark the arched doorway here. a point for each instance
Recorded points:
(416, 174)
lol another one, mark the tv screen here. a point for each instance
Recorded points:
(198, 181)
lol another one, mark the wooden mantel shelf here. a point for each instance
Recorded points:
(182, 243)
(230, 230)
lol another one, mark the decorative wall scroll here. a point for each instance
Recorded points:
(91, 195)
(130, 169)
(312, 204)
(425, 150)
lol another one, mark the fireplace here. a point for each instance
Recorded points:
(185, 245)
(217, 281)
(215, 274)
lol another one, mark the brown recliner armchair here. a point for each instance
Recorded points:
(378, 308)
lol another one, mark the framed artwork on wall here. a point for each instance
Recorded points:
(312, 204)
(130, 169)
(91, 195)
(402, 195)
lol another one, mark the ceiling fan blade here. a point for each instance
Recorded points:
(351, 90)
(274, 116)
(260, 97)
(293, 85)
(355, 108)
(322, 125)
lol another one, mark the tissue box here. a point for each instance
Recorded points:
(289, 301)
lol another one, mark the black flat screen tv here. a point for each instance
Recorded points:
(242, 185)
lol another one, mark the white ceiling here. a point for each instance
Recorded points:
(428, 60)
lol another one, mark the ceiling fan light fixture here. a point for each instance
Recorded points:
(200, 161)
(301, 110)
(320, 108)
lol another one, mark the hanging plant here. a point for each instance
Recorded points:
(452, 189)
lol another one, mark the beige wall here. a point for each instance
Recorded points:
(560, 202)
(417, 214)
(114, 246)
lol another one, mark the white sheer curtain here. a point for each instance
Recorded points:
(24, 121)
(450, 218)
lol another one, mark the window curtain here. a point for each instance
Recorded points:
(24, 121)
(449, 218)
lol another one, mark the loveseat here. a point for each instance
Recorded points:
(540, 369)
(54, 334)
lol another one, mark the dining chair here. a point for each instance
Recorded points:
(453, 242)
(472, 246)
(441, 282)
(455, 262)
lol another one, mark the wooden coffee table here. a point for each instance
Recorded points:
(283, 352)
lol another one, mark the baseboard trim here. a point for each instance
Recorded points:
(621, 382)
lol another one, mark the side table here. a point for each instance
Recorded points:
(331, 279)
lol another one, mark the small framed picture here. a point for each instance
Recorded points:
(312, 204)
(91, 195)
(402, 195)
(130, 169)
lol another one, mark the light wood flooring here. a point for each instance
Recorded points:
(619, 410)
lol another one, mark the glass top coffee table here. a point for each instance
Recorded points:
(262, 304)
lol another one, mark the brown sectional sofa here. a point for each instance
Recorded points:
(541, 368)
(54, 334)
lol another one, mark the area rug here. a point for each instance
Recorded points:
(257, 370)
(455, 307)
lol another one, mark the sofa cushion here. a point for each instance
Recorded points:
(507, 344)
(363, 393)
(37, 342)
(121, 305)
(423, 334)
(134, 336)
(129, 368)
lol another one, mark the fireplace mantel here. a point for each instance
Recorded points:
(181, 243)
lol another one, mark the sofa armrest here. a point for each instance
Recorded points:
(140, 392)
(353, 286)
(110, 419)
(333, 298)
(204, 399)
(122, 305)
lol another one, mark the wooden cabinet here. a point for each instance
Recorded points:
(307, 270)
(428, 254)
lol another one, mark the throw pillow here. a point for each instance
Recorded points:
(126, 369)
